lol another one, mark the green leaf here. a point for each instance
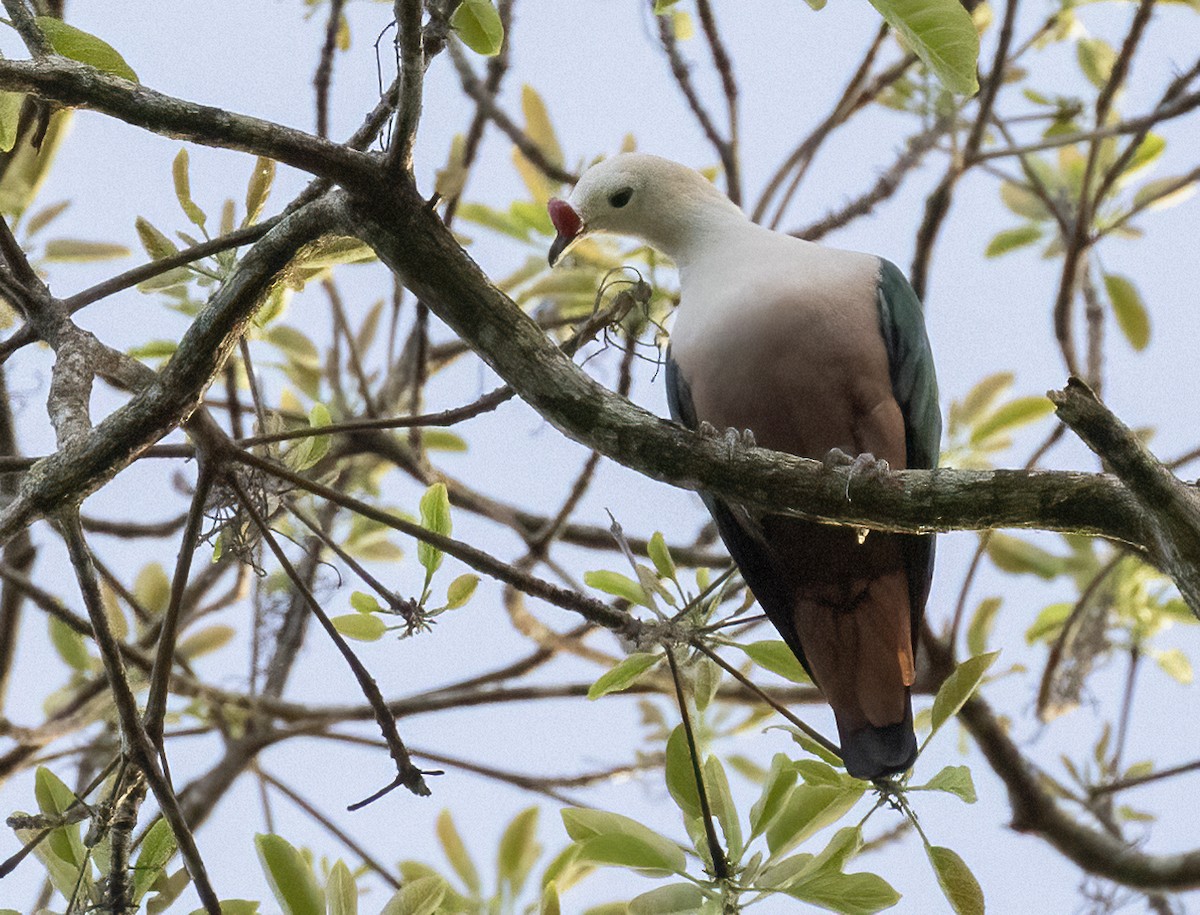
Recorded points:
(618, 585)
(632, 852)
(456, 852)
(1129, 310)
(79, 251)
(680, 777)
(84, 47)
(365, 603)
(663, 6)
(811, 746)
(478, 25)
(1011, 239)
(954, 780)
(341, 892)
(981, 625)
(206, 641)
(157, 245)
(46, 215)
(70, 645)
(183, 189)
(808, 809)
(10, 118)
(660, 555)
(850, 894)
(720, 799)
(1022, 201)
(1020, 557)
(460, 591)
(672, 899)
(1096, 58)
(259, 188)
(956, 880)
(450, 180)
(442, 440)
(1163, 192)
(157, 849)
(624, 674)
(234, 907)
(775, 656)
(290, 876)
(418, 897)
(1049, 622)
(362, 627)
(585, 825)
(706, 681)
(435, 517)
(152, 588)
(549, 904)
(958, 687)
(1175, 664)
(1017, 412)
(1147, 153)
(941, 33)
(778, 785)
(518, 850)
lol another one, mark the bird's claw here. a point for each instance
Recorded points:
(865, 464)
(734, 439)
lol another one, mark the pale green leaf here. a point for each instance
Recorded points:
(518, 850)
(1164, 192)
(1096, 58)
(1020, 557)
(1129, 310)
(460, 590)
(680, 776)
(941, 33)
(720, 800)
(850, 894)
(365, 603)
(981, 625)
(157, 244)
(362, 627)
(1023, 201)
(417, 897)
(957, 688)
(152, 588)
(259, 188)
(1175, 664)
(778, 785)
(183, 189)
(205, 641)
(672, 899)
(86, 48)
(775, 656)
(549, 904)
(290, 876)
(624, 674)
(341, 892)
(478, 25)
(585, 825)
(956, 880)
(70, 645)
(954, 780)
(10, 118)
(660, 555)
(1011, 239)
(77, 250)
(632, 852)
(435, 517)
(456, 852)
(1049, 622)
(618, 585)
(808, 809)
(1017, 412)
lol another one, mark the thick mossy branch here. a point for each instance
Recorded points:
(412, 241)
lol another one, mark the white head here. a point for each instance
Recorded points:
(662, 202)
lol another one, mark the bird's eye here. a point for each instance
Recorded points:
(621, 197)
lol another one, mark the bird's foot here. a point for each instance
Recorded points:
(866, 465)
(734, 439)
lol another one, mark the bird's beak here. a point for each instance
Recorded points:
(568, 225)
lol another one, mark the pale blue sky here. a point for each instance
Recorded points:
(596, 64)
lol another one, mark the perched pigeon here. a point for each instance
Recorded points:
(811, 349)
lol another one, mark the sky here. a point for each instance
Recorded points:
(595, 63)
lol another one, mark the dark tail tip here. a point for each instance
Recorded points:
(876, 752)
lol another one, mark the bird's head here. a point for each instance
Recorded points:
(651, 198)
